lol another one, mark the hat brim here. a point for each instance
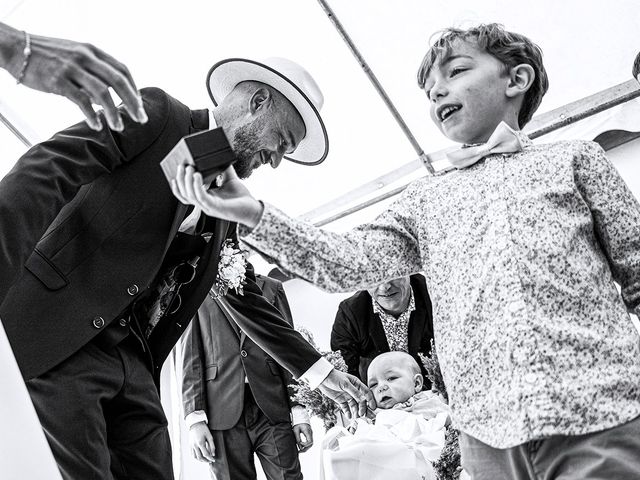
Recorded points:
(226, 74)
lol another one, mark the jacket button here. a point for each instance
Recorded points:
(98, 322)
(133, 289)
(243, 353)
(124, 322)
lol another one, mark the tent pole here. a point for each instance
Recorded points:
(376, 84)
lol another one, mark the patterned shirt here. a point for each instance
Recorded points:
(520, 252)
(396, 329)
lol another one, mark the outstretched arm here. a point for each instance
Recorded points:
(78, 71)
(367, 255)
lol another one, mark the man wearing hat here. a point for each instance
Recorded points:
(102, 268)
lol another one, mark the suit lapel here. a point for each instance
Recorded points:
(178, 218)
(416, 327)
(199, 122)
(377, 333)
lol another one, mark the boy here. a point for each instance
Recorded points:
(521, 252)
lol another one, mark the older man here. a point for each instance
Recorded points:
(102, 268)
(393, 316)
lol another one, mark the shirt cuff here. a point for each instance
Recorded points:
(194, 417)
(244, 230)
(299, 415)
(317, 373)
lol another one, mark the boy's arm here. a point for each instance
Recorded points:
(616, 218)
(367, 255)
(384, 249)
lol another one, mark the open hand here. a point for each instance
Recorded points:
(79, 71)
(351, 395)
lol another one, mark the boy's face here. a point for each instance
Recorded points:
(467, 94)
(392, 381)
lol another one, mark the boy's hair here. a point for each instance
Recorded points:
(510, 48)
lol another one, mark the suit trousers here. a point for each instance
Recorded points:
(612, 454)
(274, 444)
(102, 416)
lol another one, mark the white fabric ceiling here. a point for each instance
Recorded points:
(588, 47)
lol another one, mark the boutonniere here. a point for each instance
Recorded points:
(232, 268)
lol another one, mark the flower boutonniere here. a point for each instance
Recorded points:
(232, 268)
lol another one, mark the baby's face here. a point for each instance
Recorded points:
(391, 382)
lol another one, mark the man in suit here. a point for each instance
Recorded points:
(236, 398)
(393, 316)
(92, 240)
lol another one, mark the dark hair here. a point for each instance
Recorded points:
(510, 48)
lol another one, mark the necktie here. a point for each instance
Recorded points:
(503, 140)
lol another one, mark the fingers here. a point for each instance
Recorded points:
(98, 92)
(178, 186)
(117, 76)
(209, 448)
(353, 408)
(361, 394)
(304, 436)
(344, 408)
(83, 101)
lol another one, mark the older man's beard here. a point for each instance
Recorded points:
(246, 143)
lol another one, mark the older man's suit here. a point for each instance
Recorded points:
(216, 358)
(359, 335)
(86, 222)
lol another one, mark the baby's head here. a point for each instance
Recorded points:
(478, 77)
(394, 377)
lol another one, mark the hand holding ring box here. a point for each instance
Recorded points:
(208, 152)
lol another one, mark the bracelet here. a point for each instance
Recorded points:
(26, 53)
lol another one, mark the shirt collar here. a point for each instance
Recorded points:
(212, 121)
(525, 141)
(383, 313)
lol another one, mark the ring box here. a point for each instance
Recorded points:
(208, 152)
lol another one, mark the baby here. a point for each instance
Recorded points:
(408, 433)
(394, 378)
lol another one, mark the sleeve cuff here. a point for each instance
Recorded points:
(244, 231)
(299, 415)
(316, 374)
(196, 417)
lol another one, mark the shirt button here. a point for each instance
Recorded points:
(243, 353)
(124, 322)
(133, 289)
(530, 378)
(98, 322)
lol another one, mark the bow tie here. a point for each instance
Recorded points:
(503, 140)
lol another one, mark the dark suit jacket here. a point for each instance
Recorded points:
(216, 355)
(359, 336)
(86, 219)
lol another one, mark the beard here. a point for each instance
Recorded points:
(245, 144)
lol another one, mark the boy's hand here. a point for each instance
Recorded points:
(201, 442)
(304, 436)
(351, 395)
(230, 201)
